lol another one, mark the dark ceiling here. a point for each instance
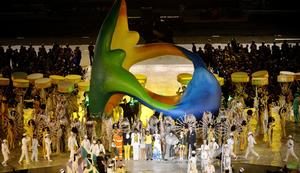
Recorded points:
(39, 18)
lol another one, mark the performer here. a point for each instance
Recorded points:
(204, 157)
(35, 145)
(95, 148)
(135, 142)
(182, 143)
(72, 145)
(148, 143)
(118, 141)
(101, 148)
(210, 132)
(192, 164)
(213, 146)
(10, 134)
(48, 147)
(191, 140)
(5, 152)
(75, 163)
(270, 127)
(283, 116)
(226, 160)
(142, 146)
(127, 138)
(86, 143)
(250, 148)
(171, 141)
(210, 168)
(243, 136)
(24, 149)
(157, 155)
(230, 142)
(290, 149)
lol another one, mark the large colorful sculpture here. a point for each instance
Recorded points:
(117, 50)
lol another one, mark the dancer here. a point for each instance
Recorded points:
(142, 146)
(230, 142)
(210, 168)
(283, 116)
(75, 164)
(101, 150)
(72, 145)
(213, 146)
(171, 141)
(135, 142)
(86, 143)
(127, 138)
(95, 148)
(118, 142)
(48, 147)
(250, 147)
(226, 159)
(5, 152)
(191, 140)
(34, 148)
(182, 143)
(10, 133)
(24, 149)
(290, 149)
(157, 155)
(192, 164)
(148, 142)
(204, 157)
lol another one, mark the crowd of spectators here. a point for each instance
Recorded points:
(236, 57)
(62, 60)
(57, 60)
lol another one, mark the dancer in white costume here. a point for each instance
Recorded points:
(250, 147)
(230, 142)
(192, 164)
(204, 157)
(213, 146)
(48, 147)
(86, 143)
(95, 148)
(72, 145)
(75, 164)
(24, 149)
(34, 148)
(135, 142)
(226, 160)
(157, 155)
(210, 168)
(290, 149)
(5, 152)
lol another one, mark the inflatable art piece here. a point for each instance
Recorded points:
(117, 50)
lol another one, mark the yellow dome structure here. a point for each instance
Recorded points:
(184, 78)
(4, 81)
(34, 76)
(19, 75)
(261, 74)
(21, 83)
(239, 77)
(84, 86)
(55, 79)
(74, 78)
